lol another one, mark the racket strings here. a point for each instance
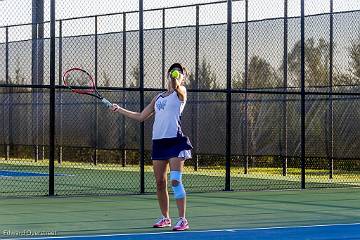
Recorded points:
(79, 79)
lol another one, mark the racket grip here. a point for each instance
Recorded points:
(106, 102)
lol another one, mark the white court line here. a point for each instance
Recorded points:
(189, 232)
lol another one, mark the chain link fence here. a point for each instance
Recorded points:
(99, 152)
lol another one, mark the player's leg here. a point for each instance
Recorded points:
(160, 171)
(176, 170)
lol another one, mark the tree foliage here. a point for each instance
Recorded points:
(316, 62)
(107, 79)
(135, 75)
(355, 58)
(206, 77)
(261, 74)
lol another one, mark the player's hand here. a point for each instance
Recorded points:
(176, 82)
(114, 107)
(181, 80)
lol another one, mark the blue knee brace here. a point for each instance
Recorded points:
(179, 191)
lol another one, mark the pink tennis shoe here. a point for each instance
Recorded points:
(162, 222)
(181, 225)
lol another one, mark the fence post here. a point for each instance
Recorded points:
(95, 160)
(40, 72)
(9, 92)
(331, 109)
(284, 137)
(52, 100)
(228, 96)
(195, 105)
(303, 95)
(141, 88)
(37, 72)
(163, 49)
(123, 155)
(246, 73)
(60, 95)
(34, 80)
(4, 105)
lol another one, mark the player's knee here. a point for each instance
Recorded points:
(161, 184)
(177, 186)
(174, 183)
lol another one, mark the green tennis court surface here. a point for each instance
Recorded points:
(134, 214)
(19, 178)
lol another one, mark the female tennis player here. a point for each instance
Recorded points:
(169, 144)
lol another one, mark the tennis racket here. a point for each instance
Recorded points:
(81, 82)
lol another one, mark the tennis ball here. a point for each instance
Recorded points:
(175, 74)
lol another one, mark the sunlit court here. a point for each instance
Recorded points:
(191, 119)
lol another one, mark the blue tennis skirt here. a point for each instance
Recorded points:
(166, 148)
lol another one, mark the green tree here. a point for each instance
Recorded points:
(135, 74)
(20, 80)
(106, 78)
(207, 79)
(316, 74)
(262, 117)
(355, 58)
(262, 114)
(206, 109)
(352, 76)
(343, 79)
(238, 81)
(261, 74)
(316, 62)
(132, 100)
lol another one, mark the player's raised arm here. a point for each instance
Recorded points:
(176, 81)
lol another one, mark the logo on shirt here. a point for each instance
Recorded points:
(161, 104)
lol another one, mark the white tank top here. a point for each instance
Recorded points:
(168, 112)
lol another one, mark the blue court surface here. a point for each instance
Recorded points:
(4, 173)
(314, 232)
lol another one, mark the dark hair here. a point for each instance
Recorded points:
(176, 65)
(182, 68)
